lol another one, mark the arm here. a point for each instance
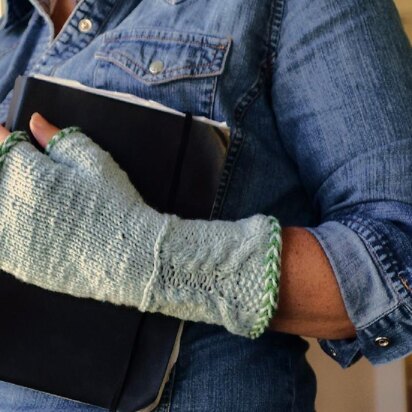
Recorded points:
(219, 291)
(72, 222)
(301, 311)
(342, 93)
(309, 308)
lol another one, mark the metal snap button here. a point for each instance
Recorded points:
(382, 341)
(156, 67)
(85, 25)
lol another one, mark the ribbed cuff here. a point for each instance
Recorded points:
(11, 140)
(60, 135)
(270, 299)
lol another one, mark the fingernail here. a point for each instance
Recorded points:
(38, 121)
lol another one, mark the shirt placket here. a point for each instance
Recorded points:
(79, 31)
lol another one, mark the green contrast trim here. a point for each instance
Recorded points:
(11, 140)
(272, 277)
(60, 135)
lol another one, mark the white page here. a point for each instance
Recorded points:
(129, 98)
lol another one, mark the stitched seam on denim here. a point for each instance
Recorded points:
(243, 103)
(278, 16)
(373, 241)
(407, 307)
(212, 97)
(358, 224)
(235, 148)
(326, 242)
(164, 72)
(53, 43)
(222, 46)
(113, 7)
(383, 315)
(405, 283)
(63, 37)
(154, 82)
(252, 95)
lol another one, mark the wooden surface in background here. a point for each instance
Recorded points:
(405, 10)
(409, 382)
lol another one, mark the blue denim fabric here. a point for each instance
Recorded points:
(318, 95)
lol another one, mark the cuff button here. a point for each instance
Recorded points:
(382, 341)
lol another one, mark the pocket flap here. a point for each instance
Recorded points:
(158, 56)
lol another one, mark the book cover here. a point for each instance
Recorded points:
(95, 352)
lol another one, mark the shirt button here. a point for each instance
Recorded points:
(156, 67)
(85, 25)
(333, 353)
(382, 341)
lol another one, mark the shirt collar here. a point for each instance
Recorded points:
(14, 10)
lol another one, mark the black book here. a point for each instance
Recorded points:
(110, 356)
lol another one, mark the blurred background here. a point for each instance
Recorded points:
(405, 10)
(362, 387)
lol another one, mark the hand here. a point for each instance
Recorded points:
(42, 130)
(63, 213)
(72, 222)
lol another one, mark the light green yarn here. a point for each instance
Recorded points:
(91, 235)
(11, 140)
(60, 135)
(272, 278)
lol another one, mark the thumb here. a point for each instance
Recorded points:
(76, 150)
(42, 130)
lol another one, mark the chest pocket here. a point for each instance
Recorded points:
(177, 69)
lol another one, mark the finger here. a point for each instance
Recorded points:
(17, 150)
(75, 149)
(3, 133)
(42, 130)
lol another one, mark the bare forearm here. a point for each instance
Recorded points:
(310, 302)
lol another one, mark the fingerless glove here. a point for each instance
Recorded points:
(72, 222)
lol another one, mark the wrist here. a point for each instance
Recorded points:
(220, 272)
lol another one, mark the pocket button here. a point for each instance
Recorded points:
(156, 67)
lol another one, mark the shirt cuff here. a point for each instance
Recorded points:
(365, 270)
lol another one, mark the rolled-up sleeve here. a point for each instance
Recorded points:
(342, 98)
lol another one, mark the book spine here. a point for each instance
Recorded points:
(19, 92)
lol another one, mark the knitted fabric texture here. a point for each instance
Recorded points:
(72, 222)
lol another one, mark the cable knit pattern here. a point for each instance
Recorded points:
(72, 222)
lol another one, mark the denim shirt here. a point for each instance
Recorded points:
(318, 95)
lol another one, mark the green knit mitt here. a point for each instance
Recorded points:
(72, 222)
